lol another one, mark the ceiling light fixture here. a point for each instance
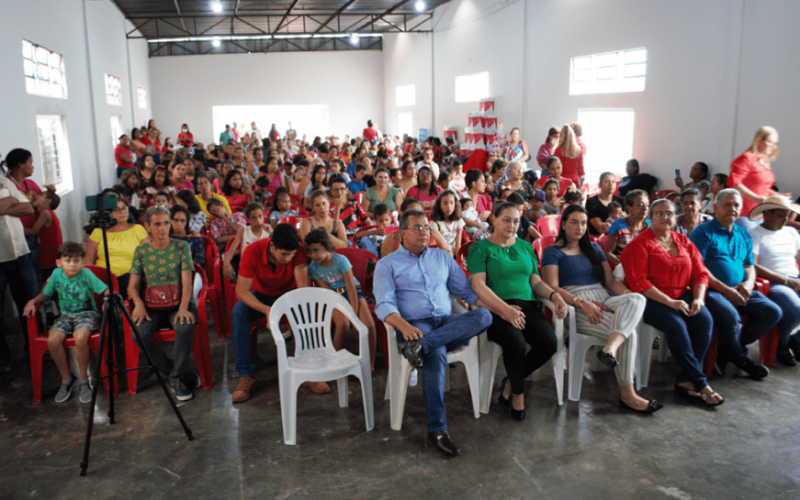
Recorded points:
(420, 5)
(216, 42)
(354, 38)
(216, 7)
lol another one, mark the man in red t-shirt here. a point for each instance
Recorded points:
(268, 269)
(122, 155)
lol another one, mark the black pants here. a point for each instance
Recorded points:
(537, 333)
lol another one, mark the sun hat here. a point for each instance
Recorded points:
(774, 202)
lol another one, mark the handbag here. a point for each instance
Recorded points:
(163, 297)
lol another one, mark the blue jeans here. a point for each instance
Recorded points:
(762, 314)
(688, 337)
(789, 302)
(241, 318)
(441, 334)
(366, 243)
(21, 276)
(181, 351)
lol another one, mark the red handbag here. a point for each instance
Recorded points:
(161, 298)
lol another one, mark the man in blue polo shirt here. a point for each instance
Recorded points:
(728, 254)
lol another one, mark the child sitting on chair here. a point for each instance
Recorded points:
(333, 271)
(79, 317)
(373, 242)
(282, 208)
(614, 211)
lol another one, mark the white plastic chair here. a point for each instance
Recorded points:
(490, 353)
(400, 368)
(647, 334)
(309, 311)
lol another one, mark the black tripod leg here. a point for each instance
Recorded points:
(103, 324)
(135, 333)
(110, 332)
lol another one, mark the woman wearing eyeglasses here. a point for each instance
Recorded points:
(505, 278)
(123, 238)
(660, 264)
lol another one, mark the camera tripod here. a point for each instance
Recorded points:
(111, 304)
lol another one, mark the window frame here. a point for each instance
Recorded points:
(58, 151)
(113, 86)
(612, 72)
(39, 75)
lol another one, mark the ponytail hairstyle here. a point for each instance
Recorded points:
(14, 159)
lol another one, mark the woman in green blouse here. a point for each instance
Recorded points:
(505, 277)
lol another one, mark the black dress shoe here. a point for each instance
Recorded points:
(607, 358)
(755, 370)
(794, 345)
(785, 356)
(444, 443)
(652, 406)
(412, 350)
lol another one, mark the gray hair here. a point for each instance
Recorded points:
(728, 192)
(155, 210)
(690, 192)
(518, 164)
(660, 202)
(403, 220)
(704, 185)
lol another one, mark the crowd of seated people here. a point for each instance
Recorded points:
(276, 208)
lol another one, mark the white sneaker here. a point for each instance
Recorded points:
(412, 378)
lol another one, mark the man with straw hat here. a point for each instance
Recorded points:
(776, 253)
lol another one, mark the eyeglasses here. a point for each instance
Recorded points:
(661, 214)
(420, 229)
(120, 209)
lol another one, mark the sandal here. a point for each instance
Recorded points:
(684, 393)
(705, 398)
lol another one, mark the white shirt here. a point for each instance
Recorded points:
(433, 166)
(776, 250)
(258, 133)
(12, 235)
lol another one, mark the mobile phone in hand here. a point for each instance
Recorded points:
(677, 173)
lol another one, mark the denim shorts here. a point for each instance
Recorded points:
(68, 323)
(358, 292)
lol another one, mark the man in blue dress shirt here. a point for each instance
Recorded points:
(412, 291)
(728, 255)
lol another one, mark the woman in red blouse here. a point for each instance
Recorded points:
(751, 174)
(660, 264)
(570, 153)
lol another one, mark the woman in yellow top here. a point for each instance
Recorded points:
(123, 238)
(206, 194)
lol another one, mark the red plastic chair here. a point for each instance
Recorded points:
(228, 293)
(360, 259)
(296, 220)
(37, 342)
(214, 293)
(539, 246)
(389, 230)
(666, 194)
(548, 225)
(767, 344)
(462, 257)
(200, 348)
(296, 200)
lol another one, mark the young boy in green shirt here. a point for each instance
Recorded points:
(79, 317)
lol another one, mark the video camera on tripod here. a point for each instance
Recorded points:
(101, 207)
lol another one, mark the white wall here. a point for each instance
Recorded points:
(407, 61)
(139, 77)
(184, 88)
(60, 25)
(471, 36)
(696, 106)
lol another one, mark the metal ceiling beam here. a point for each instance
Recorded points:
(341, 9)
(288, 11)
(177, 8)
(385, 13)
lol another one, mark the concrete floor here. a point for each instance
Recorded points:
(748, 448)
